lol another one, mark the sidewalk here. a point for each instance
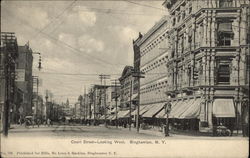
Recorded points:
(181, 134)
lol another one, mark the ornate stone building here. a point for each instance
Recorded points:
(208, 67)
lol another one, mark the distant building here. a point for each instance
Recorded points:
(126, 81)
(24, 77)
(77, 110)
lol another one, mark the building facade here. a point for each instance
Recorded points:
(208, 66)
(137, 59)
(24, 80)
(127, 84)
(153, 48)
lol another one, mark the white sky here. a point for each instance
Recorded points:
(89, 37)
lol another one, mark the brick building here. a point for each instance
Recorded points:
(24, 79)
(153, 48)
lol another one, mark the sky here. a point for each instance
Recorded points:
(78, 40)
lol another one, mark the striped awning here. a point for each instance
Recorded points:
(141, 110)
(193, 110)
(134, 96)
(123, 114)
(223, 108)
(153, 110)
(180, 108)
(162, 113)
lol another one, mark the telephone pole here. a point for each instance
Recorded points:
(104, 77)
(46, 105)
(36, 81)
(9, 52)
(116, 82)
(130, 103)
(138, 75)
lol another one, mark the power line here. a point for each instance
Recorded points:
(112, 11)
(91, 57)
(144, 5)
(57, 17)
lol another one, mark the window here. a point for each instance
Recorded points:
(248, 38)
(247, 69)
(223, 74)
(189, 75)
(190, 38)
(182, 44)
(225, 3)
(225, 33)
(183, 15)
(178, 18)
(190, 10)
(173, 21)
(173, 49)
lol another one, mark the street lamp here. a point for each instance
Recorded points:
(167, 111)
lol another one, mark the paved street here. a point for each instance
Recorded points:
(89, 141)
(81, 131)
(77, 131)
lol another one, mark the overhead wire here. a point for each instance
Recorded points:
(55, 18)
(144, 5)
(91, 57)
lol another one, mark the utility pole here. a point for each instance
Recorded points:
(104, 77)
(46, 104)
(84, 105)
(94, 103)
(36, 80)
(130, 103)
(10, 52)
(139, 75)
(116, 84)
(7, 92)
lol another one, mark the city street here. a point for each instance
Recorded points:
(156, 78)
(111, 132)
(78, 131)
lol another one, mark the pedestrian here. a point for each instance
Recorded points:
(48, 122)
(38, 122)
(33, 122)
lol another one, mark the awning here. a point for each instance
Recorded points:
(144, 110)
(154, 109)
(223, 108)
(123, 114)
(141, 109)
(193, 111)
(67, 118)
(114, 117)
(103, 117)
(109, 117)
(134, 97)
(162, 113)
(180, 108)
(114, 110)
